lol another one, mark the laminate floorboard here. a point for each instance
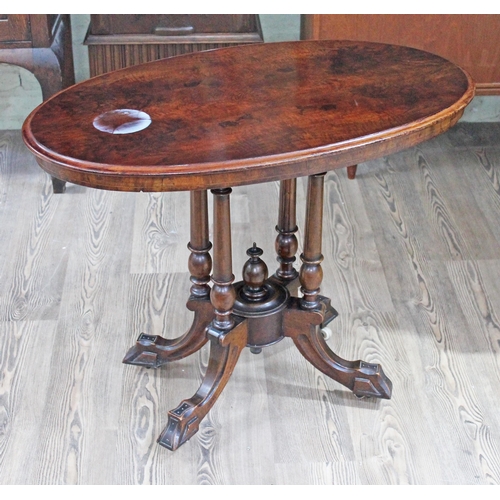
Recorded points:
(412, 261)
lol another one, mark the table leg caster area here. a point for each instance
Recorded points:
(256, 312)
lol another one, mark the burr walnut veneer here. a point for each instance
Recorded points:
(242, 115)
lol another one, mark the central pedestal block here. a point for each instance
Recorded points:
(264, 316)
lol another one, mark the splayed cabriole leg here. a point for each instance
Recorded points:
(304, 317)
(303, 327)
(225, 349)
(152, 350)
(228, 335)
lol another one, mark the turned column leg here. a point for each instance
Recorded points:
(228, 336)
(286, 242)
(311, 273)
(200, 262)
(153, 351)
(223, 294)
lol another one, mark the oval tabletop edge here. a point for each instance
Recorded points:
(226, 116)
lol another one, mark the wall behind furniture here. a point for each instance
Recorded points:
(20, 91)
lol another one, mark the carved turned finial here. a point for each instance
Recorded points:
(254, 274)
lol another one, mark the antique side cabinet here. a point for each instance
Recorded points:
(117, 41)
(40, 43)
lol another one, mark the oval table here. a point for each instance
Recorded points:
(242, 115)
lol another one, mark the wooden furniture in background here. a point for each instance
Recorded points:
(120, 40)
(245, 115)
(470, 41)
(40, 43)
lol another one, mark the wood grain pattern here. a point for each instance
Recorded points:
(469, 40)
(247, 114)
(159, 234)
(411, 263)
(33, 293)
(106, 58)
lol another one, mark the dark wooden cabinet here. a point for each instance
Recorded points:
(172, 24)
(14, 27)
(117, 41)
(471, 41)
(40, 43)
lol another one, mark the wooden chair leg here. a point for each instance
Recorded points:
(351, 172)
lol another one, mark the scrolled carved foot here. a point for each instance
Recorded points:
(149, 351)
(153, 351)
(181, 426)
(371, 381)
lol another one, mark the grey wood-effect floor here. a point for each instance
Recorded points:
(412, 263)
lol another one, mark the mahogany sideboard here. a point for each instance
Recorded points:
(470, 41)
